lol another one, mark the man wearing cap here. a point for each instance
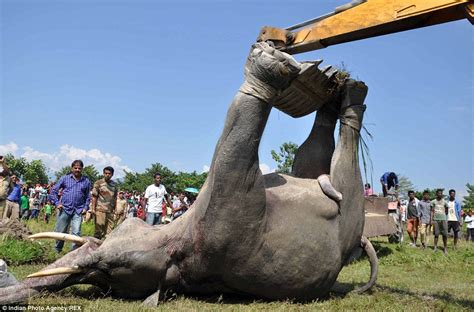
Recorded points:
(120, 208)
(12, 209)
(104, 197)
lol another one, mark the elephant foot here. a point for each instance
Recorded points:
(352, 106)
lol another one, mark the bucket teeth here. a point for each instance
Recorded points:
(308, 92)
(326, 69)
(331, 73)
(316, 62)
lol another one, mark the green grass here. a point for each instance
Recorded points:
(87, 228)
(17, 252)
(409, 279)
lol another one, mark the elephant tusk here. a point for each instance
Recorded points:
(374, 264)
(60, 236)
(56, 271)
(328, 189)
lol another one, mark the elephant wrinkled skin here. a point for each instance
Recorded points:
(275, 236)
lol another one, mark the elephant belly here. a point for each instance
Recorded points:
(297, 255)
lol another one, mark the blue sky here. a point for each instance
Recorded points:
(130, 83)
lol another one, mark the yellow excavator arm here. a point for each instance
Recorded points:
(362, 19)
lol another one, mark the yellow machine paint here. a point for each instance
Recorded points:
(366, 19)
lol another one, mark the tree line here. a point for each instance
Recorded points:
(36, 172)
(286, 156)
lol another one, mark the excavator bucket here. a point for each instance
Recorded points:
(310, 91)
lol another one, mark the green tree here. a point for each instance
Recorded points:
(468, 201)
(404, 185)
(134, 181)
(36, 172)
(432, 193)
(285, 157)
(62, 172)
(32, 172)
(17, 166)
(167, 175)
(91, 172)
(174, 182)
(185, 179)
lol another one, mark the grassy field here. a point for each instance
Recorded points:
(409, 279)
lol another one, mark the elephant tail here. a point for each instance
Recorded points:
(374, 264)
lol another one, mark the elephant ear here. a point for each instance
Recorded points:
(268, 71)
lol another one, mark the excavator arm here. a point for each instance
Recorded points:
(363, 19)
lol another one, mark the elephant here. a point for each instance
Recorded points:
(275, 236)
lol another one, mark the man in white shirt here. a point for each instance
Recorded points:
(469, 220)
(155, 194)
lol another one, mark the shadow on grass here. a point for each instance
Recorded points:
(446, 297)
(94, 293)
(340, 290)
(383, 251)
(88, 292)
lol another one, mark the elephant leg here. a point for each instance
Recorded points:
(345, 171)
(234, 191)
(230, 211)
(313, 157)
(234, 172)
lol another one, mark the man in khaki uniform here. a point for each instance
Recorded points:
(4, 186)
(120, 208)
(104, 197)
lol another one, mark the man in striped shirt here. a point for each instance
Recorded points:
(74, 201)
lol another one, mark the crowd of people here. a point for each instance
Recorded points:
(420, 217)
(74, 200)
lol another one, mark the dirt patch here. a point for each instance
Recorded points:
(14, 229)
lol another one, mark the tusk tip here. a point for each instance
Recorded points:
(56, 271)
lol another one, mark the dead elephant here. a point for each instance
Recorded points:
(274, 236)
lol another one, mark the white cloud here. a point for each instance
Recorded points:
(205, 168)
(66, 154)
(9, 148)
(266, 169)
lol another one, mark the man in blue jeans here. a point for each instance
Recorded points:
(74, 201)
(155, 195)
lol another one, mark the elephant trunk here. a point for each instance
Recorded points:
(374, 264)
